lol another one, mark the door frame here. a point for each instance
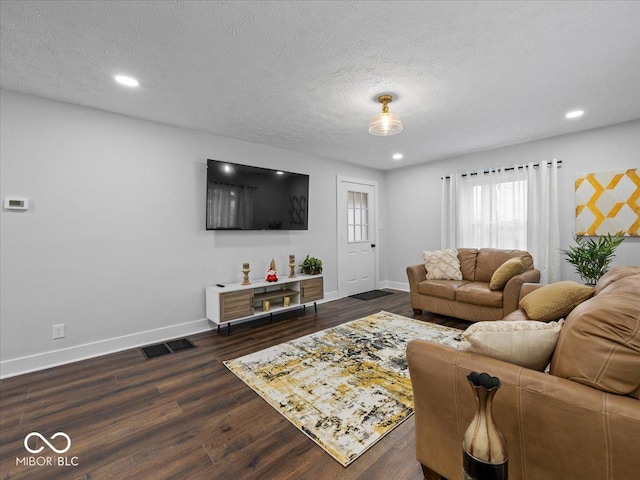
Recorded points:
(374, 228)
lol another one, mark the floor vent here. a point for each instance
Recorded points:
(172, 346)
(181, 344)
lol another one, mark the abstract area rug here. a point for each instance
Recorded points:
(344, 387)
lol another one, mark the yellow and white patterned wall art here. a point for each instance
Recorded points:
(608, 203)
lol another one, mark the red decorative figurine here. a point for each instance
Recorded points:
(272, 275)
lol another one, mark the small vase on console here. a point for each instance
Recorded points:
(484, 449)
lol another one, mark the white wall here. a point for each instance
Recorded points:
(114, 245)
(415, 192)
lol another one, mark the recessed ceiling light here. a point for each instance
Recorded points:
(128, 81)
(279, 173)
(574, 114)
(397, 156)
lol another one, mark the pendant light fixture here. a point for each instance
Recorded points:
(385, 123)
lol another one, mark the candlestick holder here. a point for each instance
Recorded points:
(246, 281)
(292, 267)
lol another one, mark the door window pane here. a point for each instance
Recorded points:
(352, 233)
(357, 217)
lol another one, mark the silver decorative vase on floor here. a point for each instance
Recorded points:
(484, 449)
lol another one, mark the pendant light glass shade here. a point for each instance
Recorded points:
(385, 123)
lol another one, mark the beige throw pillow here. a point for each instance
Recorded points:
(442, 264)
(504, 273)
(555, 300)
(526, 343)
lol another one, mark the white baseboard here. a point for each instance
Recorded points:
(328, 296)
(41, 361)
(404, 287)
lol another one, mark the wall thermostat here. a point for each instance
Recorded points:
(16, 204)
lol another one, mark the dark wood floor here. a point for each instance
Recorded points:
(185, 416)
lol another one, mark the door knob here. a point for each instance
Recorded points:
(373, 245)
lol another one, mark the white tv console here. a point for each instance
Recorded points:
(235, 301)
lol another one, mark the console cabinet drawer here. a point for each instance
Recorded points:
(236, 305)
(311, 290)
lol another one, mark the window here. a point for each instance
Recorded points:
(494, 214)
(510, 208)
(357, 217)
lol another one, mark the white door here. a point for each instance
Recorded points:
(356, 236)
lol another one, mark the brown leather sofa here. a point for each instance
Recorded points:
(471, 298)
(581, 420)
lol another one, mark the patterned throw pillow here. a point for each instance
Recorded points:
(504, 273)
(442, 264)
(526, 343)
(555, 300)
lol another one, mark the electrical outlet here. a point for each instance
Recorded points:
(58, 331)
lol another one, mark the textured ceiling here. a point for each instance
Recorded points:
(304, 76)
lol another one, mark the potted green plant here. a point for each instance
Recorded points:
(311, 265)
(592, 256)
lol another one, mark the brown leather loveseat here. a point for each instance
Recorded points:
(580, 420)
(471, 297)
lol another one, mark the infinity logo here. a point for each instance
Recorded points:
(55, 435)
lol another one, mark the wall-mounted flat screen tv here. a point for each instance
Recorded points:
(242, 197)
